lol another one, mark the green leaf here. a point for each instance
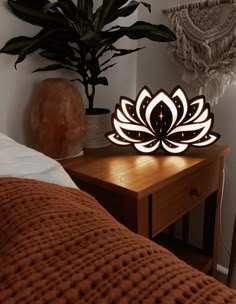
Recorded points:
(107, 9)
(59, 43)
(108, 67)
(35, 15)
(89, 7)
(33, 4)
(71, 12)
(120, 52)
(55, 57)
(50, 67)
(37, 43)
(86, 6)
(61, 49)
(79, 16)
(153, 32)
(89, 38)
(68, 9)
(123, 52)
(15, 45)
(138, 30)
(53, 67)
(127, 10)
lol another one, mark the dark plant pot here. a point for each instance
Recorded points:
(98, 124)
(58, 119)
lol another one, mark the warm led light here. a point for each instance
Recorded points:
(161, 121)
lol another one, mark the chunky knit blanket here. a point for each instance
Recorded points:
(59, 246)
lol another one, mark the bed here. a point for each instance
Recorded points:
(58, 245)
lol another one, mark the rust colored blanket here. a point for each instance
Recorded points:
(59, 246)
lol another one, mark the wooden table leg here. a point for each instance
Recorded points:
(212, 221)
(136, 215)
(185, 228)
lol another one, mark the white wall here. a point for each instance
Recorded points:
(156, 70)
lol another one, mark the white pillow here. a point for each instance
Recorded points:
(17, 160)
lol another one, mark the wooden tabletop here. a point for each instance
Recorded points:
(122, 169)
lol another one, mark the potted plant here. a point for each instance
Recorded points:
(76, 37)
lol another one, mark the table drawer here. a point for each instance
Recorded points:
(174, 200)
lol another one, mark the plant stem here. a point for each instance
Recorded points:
(92, 97)
(89, 95)
(86, 89)
(85, 77)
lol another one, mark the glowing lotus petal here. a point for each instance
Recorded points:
(142, 96)
(203, 116)
(177, 147)
(193, 127)
(116, 141)
(125, 104)
(121, 116)
(161, 97)
(180, 93)
(199, 103)
(120, 126)
(211, 140)
(146, 148)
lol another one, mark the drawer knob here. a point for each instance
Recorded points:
(196, 192)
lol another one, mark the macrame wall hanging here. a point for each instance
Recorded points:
(205, 47)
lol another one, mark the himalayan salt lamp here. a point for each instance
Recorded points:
(58, 119)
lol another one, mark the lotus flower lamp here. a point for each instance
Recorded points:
(162, 121)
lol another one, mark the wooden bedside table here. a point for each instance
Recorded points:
(148, 193)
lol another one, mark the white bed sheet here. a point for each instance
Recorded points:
(17, 160)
